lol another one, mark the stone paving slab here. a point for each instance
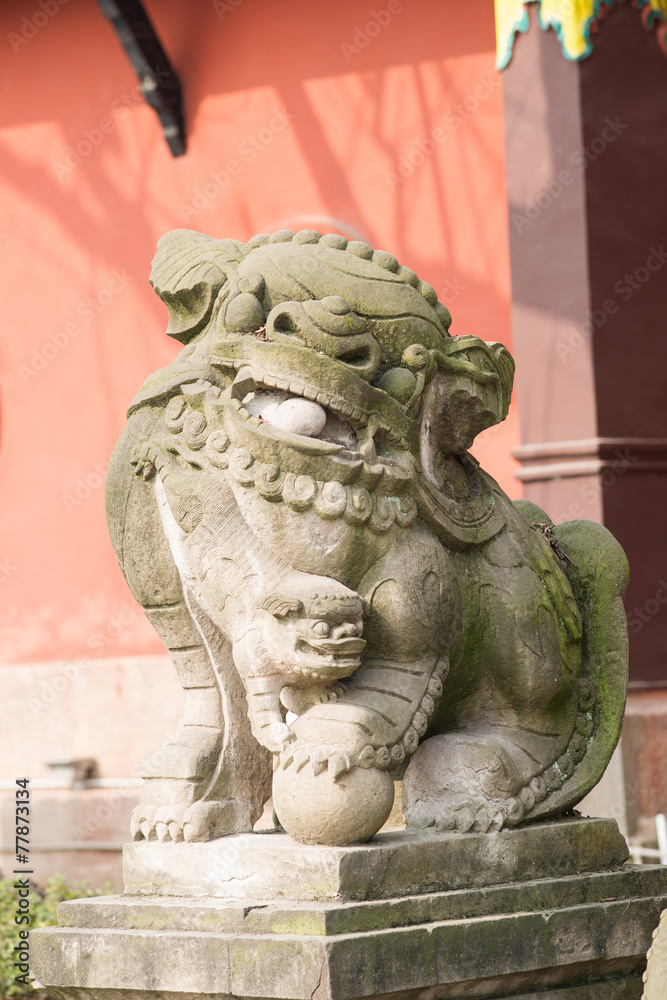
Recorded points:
(273, 866)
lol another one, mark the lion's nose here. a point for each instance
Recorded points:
(330, 327)
(347, 630)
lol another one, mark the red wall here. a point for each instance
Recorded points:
(353, 104)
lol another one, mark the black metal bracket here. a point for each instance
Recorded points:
(159, 83)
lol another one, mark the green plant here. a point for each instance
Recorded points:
(44, 902)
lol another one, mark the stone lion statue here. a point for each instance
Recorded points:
(346, 596)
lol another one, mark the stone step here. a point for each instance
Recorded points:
(318, 918)
(505, 954)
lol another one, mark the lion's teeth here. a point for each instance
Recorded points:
(261, 403)
(338, 431)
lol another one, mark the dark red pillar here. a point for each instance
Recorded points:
(587, 187)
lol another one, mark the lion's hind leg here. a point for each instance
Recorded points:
(478, 780)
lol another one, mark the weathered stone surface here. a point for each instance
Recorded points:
(293, 504)
(273, 866)
(577, 938)
(627, 988)
(333, 917)
(621, 989)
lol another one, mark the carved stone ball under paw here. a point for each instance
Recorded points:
(316, 809)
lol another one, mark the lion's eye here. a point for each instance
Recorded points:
(320, 629)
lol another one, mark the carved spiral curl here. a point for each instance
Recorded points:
(435, 687)
(242, 466)
(298, 491)
(195, 430)
(331, 500)
(175, 412)
(359, 505)
(538, 787)
(527, 798)
(428, 704)
(269, 482)
(382, 515)
(405, 510)
(410, 741)
(420, 722)
(217, 445)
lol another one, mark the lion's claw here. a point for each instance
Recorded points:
(468, 813)
(301, 757)
(334, 692)
(319, 758)
(147, 823)
(338, 760)
(202, 820)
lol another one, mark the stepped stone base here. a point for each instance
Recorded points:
(572, 934)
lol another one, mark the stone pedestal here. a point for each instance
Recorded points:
(393, 865)
(548, 911)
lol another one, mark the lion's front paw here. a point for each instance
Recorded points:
(299, 700)
(462, 813)
(469, 814)
(201, 821)
(337, 760)
(163, 823)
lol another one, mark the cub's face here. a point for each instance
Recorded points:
(322, 643)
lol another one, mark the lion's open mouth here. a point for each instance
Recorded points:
(334, 649)
(327, 658)
(298, 415)
(301, 411)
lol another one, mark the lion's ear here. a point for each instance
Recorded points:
(281, 607)
(188, 271)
